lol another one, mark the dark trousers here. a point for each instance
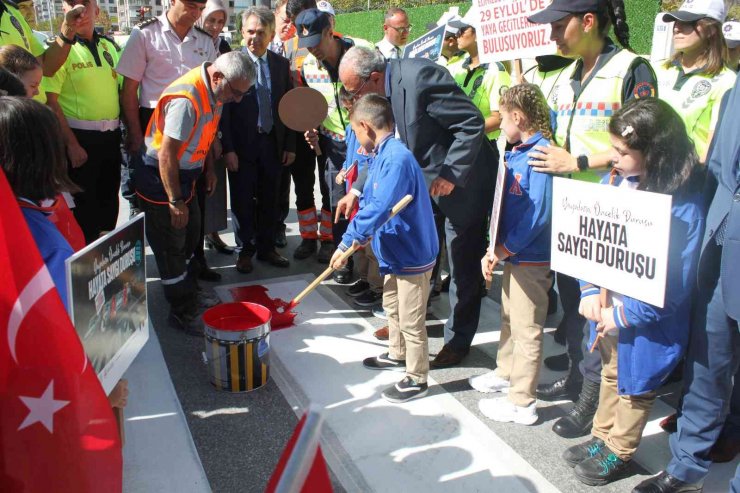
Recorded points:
(173, 249)
(200, 189)
(258, 178)
(330, 164)
(132, 161)
(303, 172)
(466, 244)
(96, 207)
(711, 362)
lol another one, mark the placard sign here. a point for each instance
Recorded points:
(506, 34)
(428, 45)
(613, 237)
(498, 201)
(106, 285)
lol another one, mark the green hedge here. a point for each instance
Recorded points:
(368, 24)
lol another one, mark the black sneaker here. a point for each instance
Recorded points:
(405, 390)
(358, 288)
(325, 252)
(369, 299)
(305, 249)
(578, 453)
(188, 322)
(384, 362)
(601, 469)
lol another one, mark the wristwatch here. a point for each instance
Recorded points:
(66, 39)
(582, 161)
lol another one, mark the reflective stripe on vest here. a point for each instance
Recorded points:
(583, 123)
(193, 151)
(697, 101)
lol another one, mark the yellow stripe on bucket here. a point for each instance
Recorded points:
(234, 364)
(264, 373)
(250, 369)
(216, 364)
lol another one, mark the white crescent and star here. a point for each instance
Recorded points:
(42, 409)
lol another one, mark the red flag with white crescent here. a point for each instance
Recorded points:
(57, 430)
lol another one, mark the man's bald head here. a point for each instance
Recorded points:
(361, 62)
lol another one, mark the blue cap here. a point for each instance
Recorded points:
(310, 24)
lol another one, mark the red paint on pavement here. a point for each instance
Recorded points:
(282, 314)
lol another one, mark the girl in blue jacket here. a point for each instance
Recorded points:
(523, 241)
(640, 343)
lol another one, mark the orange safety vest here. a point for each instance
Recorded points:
(193, 152)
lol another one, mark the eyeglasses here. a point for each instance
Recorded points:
(355, 94)
(402, 30)
(237, 94)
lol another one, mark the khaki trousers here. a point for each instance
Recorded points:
(368, 268)
(405, 303)
(523, 313)
(620, 419)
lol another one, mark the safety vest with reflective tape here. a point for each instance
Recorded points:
(193, 86)
(485, 81)
(317, 77)
(697, 100)
(583, 123)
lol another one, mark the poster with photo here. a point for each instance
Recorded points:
(106, 284)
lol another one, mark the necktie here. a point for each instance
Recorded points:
(264, 121)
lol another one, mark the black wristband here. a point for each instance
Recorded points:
(66, 39)
(582, 162)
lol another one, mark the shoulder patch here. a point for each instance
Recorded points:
(147, 22)
(644, 90)
(111, 41)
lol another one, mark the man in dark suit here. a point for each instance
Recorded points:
(714, 346)
(256, 145)
(445, 132)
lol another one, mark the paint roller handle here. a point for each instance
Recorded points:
(400, 205)
(604, 299)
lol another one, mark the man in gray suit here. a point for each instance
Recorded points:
(445, 132)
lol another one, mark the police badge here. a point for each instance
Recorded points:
(701, 88)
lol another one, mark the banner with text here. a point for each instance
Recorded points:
(106, 285)
(428, 45)
(613, 237)
(504, 33)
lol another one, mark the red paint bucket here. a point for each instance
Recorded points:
(237, 345)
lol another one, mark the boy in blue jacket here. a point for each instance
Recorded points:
(524, 242)
(406, 246)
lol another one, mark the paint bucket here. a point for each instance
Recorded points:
(237, 345)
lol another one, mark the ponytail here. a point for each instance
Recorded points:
(618, 17)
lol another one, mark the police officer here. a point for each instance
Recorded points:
(603, 77)
(694, 80)
(14, 30)
(178, 146)
(159, 51)
(320, 71)
(84, 95)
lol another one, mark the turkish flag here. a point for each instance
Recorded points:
(317, 480)
(57, 430)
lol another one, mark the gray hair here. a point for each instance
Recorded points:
(393, 11)
(235, 65)
(362, 61)
(264, 15)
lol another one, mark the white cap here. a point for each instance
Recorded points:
(693, 10)
(471, 18)
(325, 6)
(731, 30)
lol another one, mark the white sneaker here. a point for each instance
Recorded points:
(503, 410)
(489, 382)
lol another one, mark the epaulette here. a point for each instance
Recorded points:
(112, 41)
(11, 3)
(501, 67)
(200, 29)
(147, 22)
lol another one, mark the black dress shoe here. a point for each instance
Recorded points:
(281, 241)
(448, 357)
(567, 387)
(305, 249)
(559, 362)
(580, 419)
(273, 258)
(343, 275)
(214, 242)
(244, 264)
(207, 274)
(665, 483)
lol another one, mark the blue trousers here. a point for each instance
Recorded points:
(711, 363)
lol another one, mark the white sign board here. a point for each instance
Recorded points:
(662, 48)
(613, 237)
(504, 33)
(498, 201)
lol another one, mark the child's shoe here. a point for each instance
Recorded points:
(501, 409)
(601, 469)
(578, 453)
(489, 382)
(384, 362)
(405, 390)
